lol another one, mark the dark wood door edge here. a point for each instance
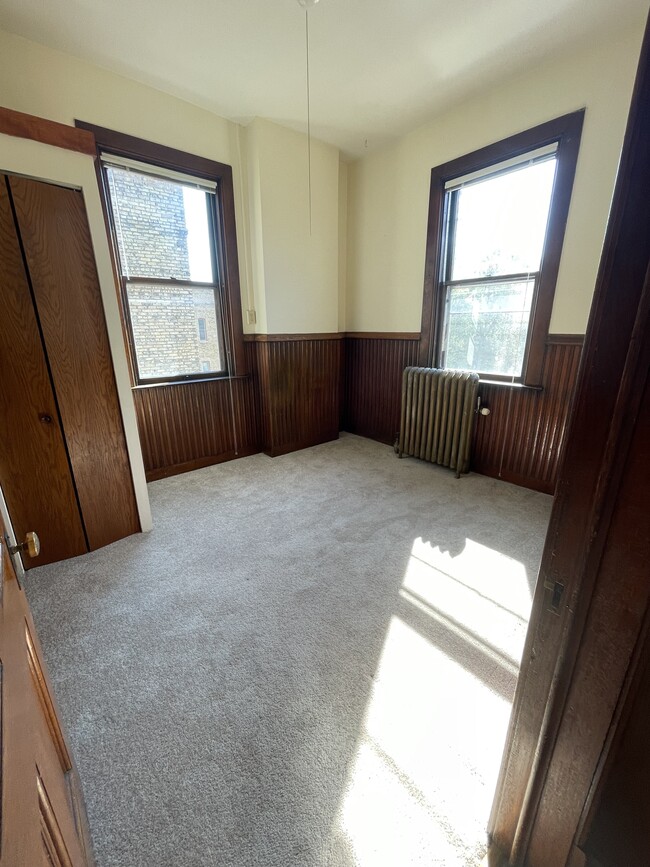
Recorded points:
(610, 381)
(617, 728)
(50, 132)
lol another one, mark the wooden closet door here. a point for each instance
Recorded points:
(43, 818)
(34, 468)
(58, 250)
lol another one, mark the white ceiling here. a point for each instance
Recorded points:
(378, 67)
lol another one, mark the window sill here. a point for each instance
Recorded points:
(200, 379)
(508, 384)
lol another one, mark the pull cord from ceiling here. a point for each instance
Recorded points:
(307, 5)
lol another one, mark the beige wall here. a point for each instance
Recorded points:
(297, 281)
(389, 191)
(50, 84)
(287, 275)
(295, 268)
(343, 242)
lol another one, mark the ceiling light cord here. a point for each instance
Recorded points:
(308, 115)
(307, 5)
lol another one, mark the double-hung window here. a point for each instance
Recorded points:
(496, 226)
(166, 238)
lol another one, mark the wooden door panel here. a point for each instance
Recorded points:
(42, 819)
(58, 249)
(34, 469)
(45, 702)
(54, 847)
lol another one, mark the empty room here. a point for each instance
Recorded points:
(324, 356)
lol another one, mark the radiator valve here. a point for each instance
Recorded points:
(482, 410)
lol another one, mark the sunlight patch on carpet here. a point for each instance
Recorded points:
(422, 781)
(486, 593)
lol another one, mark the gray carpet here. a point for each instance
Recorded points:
(309, 662)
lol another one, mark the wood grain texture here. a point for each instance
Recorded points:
(34, 469)
(299, 389)
(618, 831)
(373, 385)
(286, 338)
(290, 400)
(614, 622)
(383, 335)
(56, 239)
(556, 733)
(521, 440)
(21, 125)
(190, 425)
(36, 765)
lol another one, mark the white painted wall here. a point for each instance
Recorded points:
(295, 268)
(54, 85)
(41, 161)
(287, 275)
(388, 191)
(297, 281)
(343, 242)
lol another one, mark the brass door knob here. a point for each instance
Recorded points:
(31, 546)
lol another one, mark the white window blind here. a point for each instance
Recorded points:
(528, 159)
(127, 164)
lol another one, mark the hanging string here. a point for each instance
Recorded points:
(308, 114)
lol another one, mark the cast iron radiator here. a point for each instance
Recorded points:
(438, 412)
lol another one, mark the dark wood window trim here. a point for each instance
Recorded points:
(160, 155)
(565, 130)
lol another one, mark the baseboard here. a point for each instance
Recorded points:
(199, 463)
(286, 448)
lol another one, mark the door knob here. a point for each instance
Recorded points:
(31, 546)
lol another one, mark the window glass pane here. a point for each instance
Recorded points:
(501, 223)
(165, 325)
(487, 325)
(162, 227)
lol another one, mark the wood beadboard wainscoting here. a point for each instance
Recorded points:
(298, 378)
(374, 363)
(521, 439)
(302, 388)
(290, 399)
(187, 425)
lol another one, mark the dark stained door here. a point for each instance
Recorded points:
(53, 229)
(43, 823)
(34, 469)
(576, 757)
(619, 830)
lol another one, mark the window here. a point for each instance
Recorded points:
(495, 235)
(168, 265)
(172, 222)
